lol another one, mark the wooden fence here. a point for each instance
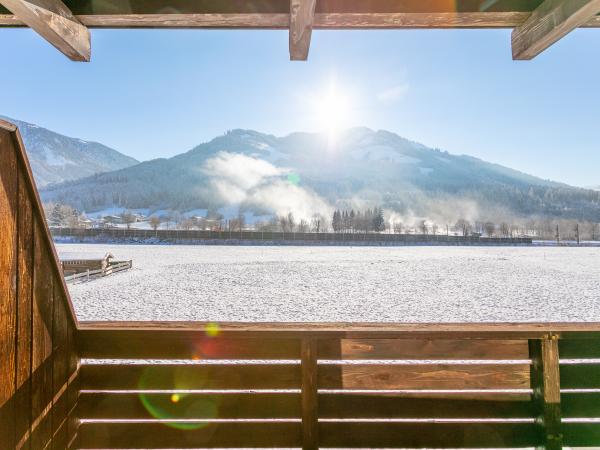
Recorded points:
(281, 237)
(87, 275)
(70, 384)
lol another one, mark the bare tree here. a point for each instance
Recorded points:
(154, 222)
(291, 221)
(490, 229)
(303, 226)
(128, 218)
(463, 226)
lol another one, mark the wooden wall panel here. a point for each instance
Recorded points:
(24, 311)
(43, 302)
(8, 294)
(36, 360)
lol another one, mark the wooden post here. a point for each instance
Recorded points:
(545, 382)
(310, 415)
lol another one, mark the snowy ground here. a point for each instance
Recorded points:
(400, 284)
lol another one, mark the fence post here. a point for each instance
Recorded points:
(310, 415)
(545, 382)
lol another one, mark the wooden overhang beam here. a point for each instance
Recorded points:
(551, 21)
(52, 20)
(302, 15)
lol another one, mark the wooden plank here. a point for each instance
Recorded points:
(181, 344)
(580, 404)
(52, 20)
(424, 376)
(371, 330)
(189, 406)
(60, 355)
(73, 385)
(158, 435)
(545, 382)
(423, 349)
(310, 410)
(427, 435)
(302, 13)
(440, 20)
(190, 376)
(41, 379)
(8, 283)
(24, 315)
(551, 21)
(580, 376)
(403, 406)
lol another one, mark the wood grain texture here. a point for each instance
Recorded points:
(181, 344)
(310, 408)
(281, 21)
(24, 313)
(191, 376)
(8, 284)
(423, 349)
(414, 406)
(157, 435)
(424, 376)
(302, 13)
(190, 406)
(358, 330)
(427, 435)
(41, 379)
(545, 382)
(551, 21)
(52, 20)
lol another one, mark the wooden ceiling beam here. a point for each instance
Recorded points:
(52, 20)
(321, 20)
(302, 15)
(551, 21)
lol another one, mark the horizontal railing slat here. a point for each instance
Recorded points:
(189, 406)
(159, 435)
(190, 376)
(427, 435)
(422, 349)
(348, 405)
(424, 376)
(182, 345)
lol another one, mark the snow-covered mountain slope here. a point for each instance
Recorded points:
(56, 158)
(305, 172)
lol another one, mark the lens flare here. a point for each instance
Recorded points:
(212, 329)
(293, 178)
(179, 405)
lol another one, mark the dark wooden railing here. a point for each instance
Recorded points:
(69, 384)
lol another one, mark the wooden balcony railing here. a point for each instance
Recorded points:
(69, 384)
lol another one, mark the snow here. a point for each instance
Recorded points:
(371, 284)
(425, 170)
(382, 153)
(54, 159)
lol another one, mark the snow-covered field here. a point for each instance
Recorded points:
(322, 284)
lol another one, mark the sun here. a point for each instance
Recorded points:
(332, 109)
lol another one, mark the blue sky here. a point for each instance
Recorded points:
(156, 93)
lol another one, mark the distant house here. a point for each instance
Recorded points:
(110, 220)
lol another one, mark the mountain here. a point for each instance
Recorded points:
(308, 173)
(55, 158)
